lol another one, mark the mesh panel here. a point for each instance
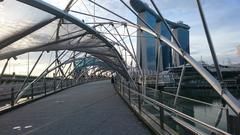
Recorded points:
(16, 16)
(70, 36)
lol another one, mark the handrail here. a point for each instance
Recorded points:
(190, 99)
(178, 113)
(45, 90)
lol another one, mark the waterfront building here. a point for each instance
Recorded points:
(182, 35)
(165, 51)
(147, 45)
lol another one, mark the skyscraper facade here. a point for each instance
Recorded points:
(146, 49)
(182, 34)
(165, 53)
(148, 46)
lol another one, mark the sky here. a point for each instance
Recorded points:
(223, 17)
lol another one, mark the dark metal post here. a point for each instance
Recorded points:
(61, 83)
(69, 83)
(45, 85)
(32, 91)
(227, 117)
(54, 82)
(65, 83)
(12, 97)
(120, 89)
(129, 93)
(161, 111)
(123, 87)
(139, 99)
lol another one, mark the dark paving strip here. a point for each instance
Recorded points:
(89, 109)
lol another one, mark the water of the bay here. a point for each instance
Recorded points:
(203, 112)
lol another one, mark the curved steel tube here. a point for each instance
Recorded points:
(44, 73)
(61, 14)
(224, 93)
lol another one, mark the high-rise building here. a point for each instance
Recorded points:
(182, 35)
(147, 45)
(165, 50)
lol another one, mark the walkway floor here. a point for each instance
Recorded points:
(88, 109)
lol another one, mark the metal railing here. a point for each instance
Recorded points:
(159, 116)
(41, 89)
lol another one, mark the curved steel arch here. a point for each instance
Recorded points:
(91, 61)
(72, 59)
(61, 14)
(224, 93)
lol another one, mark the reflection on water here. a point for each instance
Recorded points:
(204, 112)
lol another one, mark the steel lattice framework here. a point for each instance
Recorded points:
(99, 45)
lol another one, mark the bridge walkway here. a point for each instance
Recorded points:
(88, 109)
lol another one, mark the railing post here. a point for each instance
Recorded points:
(54, 82)
(61, 83)
(139, 99)
(123, 88)
(66, 82)
(120, 85)
(69, 82)
(161, 111)
(120, 88)
(227, 119)
(45, 86)
(12, 97)
(129, 93)
(139, 103)
(32, 91)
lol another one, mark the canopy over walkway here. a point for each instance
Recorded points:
(66, 48)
